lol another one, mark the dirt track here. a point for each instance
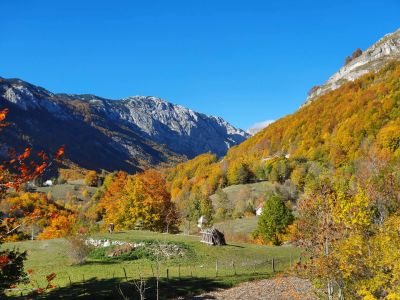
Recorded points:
(279, 288)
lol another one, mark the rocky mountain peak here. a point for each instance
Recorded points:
(371, 60)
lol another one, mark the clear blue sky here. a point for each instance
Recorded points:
(246, 61)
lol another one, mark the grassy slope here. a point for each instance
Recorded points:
(254, 190)
(251, 261)
(68, 190)
(241, 226)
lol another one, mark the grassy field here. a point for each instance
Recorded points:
(70, 190)
(250, 191)
(238, 229)
(188, 275)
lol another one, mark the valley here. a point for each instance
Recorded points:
(141, 198)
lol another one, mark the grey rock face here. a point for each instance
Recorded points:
(372, 59)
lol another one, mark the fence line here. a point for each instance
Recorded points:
(214, 269)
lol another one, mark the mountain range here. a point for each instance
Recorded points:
(128, 134)
(139, 132)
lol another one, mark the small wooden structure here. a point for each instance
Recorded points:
(212, 236)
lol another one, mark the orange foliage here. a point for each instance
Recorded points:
(33, 209)
(111, 203)
(139, 200)
(60, 226)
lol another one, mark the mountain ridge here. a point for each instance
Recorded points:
(371, 60)
(147, 129)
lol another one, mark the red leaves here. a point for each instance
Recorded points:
(18, 165)
(51, 276)
(3, 114)
(26, 154)
(60, 152)
(4, 260)
(39, 169)
(42, 155)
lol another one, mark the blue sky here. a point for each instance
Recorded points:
(247, 61)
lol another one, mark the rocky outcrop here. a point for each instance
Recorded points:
(371, 60)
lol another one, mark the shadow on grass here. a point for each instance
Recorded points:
(235, 246)
(99, 289)
(102, 262)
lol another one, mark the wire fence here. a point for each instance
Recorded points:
(212, 270)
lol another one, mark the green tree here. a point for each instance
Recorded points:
(274, 219)
(280, 171)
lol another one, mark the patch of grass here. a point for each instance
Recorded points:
(196, 272)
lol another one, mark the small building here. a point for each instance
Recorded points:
(48, 183)
(201, 222)
(212, 236)
(259, 210)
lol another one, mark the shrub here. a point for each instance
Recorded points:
(78, 250)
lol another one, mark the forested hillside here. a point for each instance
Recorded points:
(338, 126)
(335, 131)
(340, 158)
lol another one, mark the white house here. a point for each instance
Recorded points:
(259, 210)
(202, 220)
(48, 183)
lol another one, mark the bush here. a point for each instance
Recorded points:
(78, 250)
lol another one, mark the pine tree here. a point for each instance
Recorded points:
(274, 219)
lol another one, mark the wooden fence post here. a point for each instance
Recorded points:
(179, 271)
(234, 268)
(84, 286)
(167, 273)
(273, 265)
(216, 268)
(126, 277)
(70, 282)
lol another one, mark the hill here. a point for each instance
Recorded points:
(358, 119)
(339, 125)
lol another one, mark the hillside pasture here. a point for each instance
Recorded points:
(69, 191)
(204, 268)
(238, 229)
(249, 191)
